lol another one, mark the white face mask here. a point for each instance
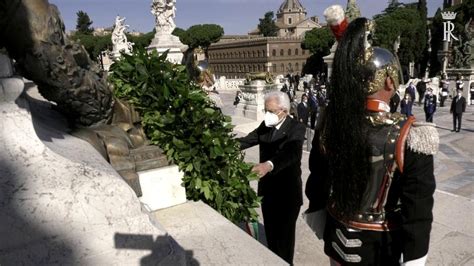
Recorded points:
(271, 119)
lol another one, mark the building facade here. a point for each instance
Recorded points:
(277, 55)
(234, 56)
(291, 20)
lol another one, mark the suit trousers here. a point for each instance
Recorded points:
(429, 117)
(280, 225)
(457, 118)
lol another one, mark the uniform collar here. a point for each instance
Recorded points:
(375, 105)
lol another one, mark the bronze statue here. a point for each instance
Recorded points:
(32, 31)
(267, 76)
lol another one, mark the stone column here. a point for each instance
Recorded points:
(329, 59)
(252, 104)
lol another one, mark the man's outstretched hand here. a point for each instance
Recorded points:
(262, 169)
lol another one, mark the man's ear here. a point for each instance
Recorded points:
(389, 84)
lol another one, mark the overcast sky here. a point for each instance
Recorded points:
(235, 16)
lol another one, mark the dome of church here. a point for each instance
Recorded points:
(291, 6)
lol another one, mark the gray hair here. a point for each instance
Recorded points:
(282, 99)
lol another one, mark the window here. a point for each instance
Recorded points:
(289, 52)
(258, 54)
(253, 54)
(281, 52)
(254, 68)
(296, 51)
(263, 53)
(304, 51)
(274, 52)
(290, 68)
(282, 67)
(259, 68)
(274, 66)
(297, 67)
(289, 21)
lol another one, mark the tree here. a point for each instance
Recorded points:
(267, 25)
(406, 23)
(201, 35)
(319, 42)
(423, 11)
(84, 23)
(178, 32)
(142, 40)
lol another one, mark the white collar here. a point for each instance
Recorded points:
(281, 123)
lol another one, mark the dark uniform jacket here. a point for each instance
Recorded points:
(283, 184)
(430, 104)
(408, 211)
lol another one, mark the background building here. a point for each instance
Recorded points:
(291, 20)
(277, 55)
(234, 56)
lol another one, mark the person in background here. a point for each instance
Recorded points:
(280, 139)
(238, 98)
(376, 186)
(444, 85)
(303, 110)
(297, 81)
(294, 109)
(313, 107)
(394, 102)
(410, 90)
(458, 106)
(430, 105)
(286, 86)
(406, 105)
(421, 89)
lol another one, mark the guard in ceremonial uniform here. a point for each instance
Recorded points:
(371, 170)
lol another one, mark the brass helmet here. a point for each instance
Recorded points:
(383, 62)
(380, 62)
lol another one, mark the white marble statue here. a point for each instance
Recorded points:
(164, 12)
(119, 39)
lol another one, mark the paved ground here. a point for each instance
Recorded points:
(452, 237)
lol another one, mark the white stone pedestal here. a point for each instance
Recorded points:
(163, 42)
(162, 188)
(329, 59)
(252, 104)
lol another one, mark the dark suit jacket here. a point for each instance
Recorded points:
(458, 106)
(303, 112)
(282, 186)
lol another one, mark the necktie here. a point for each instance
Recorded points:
(273, 133)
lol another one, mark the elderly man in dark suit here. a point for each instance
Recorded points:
(281, 143)
(458, 106)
